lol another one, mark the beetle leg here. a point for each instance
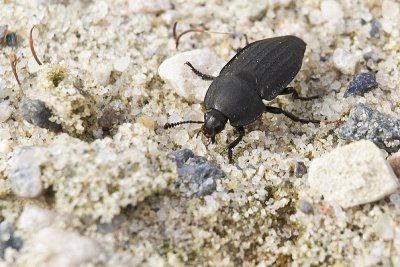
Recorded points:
(291, 116)
(199, 73)
(234, 143)
(295, 94)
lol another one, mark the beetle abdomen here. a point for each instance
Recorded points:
(274, 62)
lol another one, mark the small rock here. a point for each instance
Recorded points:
(256, 9)
(8, 239)
(24, 175)
(33, 66)
(354, 174)
(395, 199)
(300, 169)
(331, 11)
(181, 78)
(122, 63)
(196, 173)
(315, 17)
(102, 74)
(306, 207)
(390, 10)
(344, 61)
(34, 218)
(147, 121)
(106, 228)
(149, 6)
(360, 84)
(11, 39)
(375, 29)
(5, 111)
(366, 123)
(3, 32)
(109, 118)
(37, 113)
(62, 248)
(384, 227)
(394, 161)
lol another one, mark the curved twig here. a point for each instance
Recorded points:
(32, 47)
(178, 37)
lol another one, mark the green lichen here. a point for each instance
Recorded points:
(56, 75)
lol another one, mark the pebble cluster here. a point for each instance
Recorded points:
(89, 177)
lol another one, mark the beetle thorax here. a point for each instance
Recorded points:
(214, 123)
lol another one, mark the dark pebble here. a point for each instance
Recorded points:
(37, 113)
(375, 29)
(196, 174)
(367, 123)
(8, 239)
(361, 84)
(306, 207)
(11, 39)
(300, 169)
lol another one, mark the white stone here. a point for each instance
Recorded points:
(34, 218)
(5, 111)
(149, 6)
(102, 74)
(60, 248)
(33, 66)
(24, 174)
(354, 174)
(315, 17)
(5, 146)
(181, 78)
(4, 91)
(344, 61)
(331, 11)
(122, 63)
(384, 227)
(390, 10)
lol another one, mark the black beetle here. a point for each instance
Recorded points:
(261, 70)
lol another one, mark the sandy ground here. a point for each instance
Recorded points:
(100, 187)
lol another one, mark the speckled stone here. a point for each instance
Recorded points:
(360, 84)
(196, 173)
(366, 123)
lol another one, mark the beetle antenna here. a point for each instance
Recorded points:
(32, 47)
(177, 37)
(172, 125)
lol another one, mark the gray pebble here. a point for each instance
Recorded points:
(11, 39)
(375, 29)
(369, 124)
(306, 207)
(196, 175)
(8, 239)
(37, 113)
(361, 84)
(3, 32)
(25, 173)
(112, 226)
(300, 169)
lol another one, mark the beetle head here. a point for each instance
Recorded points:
(214, 123)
